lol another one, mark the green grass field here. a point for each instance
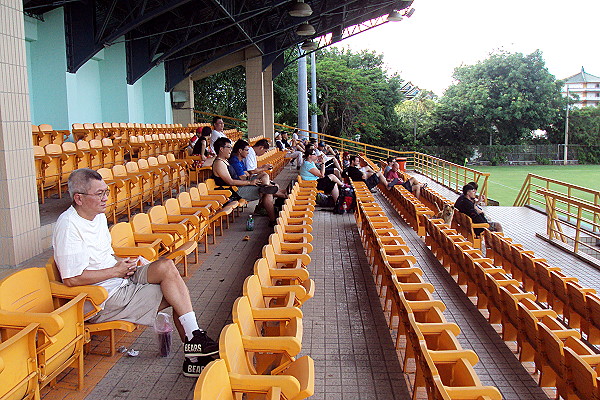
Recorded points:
(505, 181)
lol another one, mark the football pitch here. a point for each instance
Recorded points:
(505, 182)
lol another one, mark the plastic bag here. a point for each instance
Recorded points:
(163, 327)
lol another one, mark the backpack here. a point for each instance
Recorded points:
(324, 200)
(346, 201)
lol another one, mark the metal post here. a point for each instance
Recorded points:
(302, 95)
(313, 91)
(566, 130)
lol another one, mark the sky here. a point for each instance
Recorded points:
(442, 35)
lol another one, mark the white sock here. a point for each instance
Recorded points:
(189, 323)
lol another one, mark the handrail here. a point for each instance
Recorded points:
(451, 175)
(529, 195)
(583, 213)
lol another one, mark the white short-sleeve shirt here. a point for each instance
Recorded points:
(214, 136)
(81, 244)
(250, 161)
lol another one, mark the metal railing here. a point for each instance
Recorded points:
(572, 221)
(530, 195)
(452, 175)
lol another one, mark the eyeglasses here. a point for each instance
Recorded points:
(228, 147)
(100, 195)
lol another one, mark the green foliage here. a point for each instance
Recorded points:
(507, 95)
(285, 93)
(416, 117)
(356, 96)
(584, 130)
(223, 93)
(542, 160)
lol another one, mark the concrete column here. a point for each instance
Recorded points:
(19, 212)
(255, 94)
(269, 107)
(185, 114)
(302, 95)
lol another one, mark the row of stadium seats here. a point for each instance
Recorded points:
(442, 367)
(44, 134)
(552, 318)
(258, 350)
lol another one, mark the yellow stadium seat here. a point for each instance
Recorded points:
(125, 243)
(296, 380)
(215, 383)
(262, 305)
(26, 296)
(274, 280)
(18, 366)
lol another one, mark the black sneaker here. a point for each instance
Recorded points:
(200, 345)
(193, 369)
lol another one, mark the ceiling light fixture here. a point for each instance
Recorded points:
(394, 16)
(309, 45)
(300, 9)
(305, 29)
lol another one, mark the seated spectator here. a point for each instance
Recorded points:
(364, 174)
(225, 175)
(387, 165)
(466, 205)
(284, 144)
(217, 132)
(332, 165)
(325, 182)
(202, 147)
(393, 177)
(239, 153)
(137, 290)
(251, 160)
(346, 160)
(480, 200)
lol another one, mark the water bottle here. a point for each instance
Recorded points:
(345, 206)
(250, 223)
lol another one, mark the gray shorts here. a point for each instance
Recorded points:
(137, 302)
(248, 192)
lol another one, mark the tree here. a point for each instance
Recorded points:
(503, 98)
(416, 115)
(223, 93)
(356, 96)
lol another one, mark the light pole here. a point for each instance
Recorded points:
(566, 130)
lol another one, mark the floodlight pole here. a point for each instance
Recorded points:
(566, 130)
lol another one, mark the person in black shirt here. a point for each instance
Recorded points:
(466, 205)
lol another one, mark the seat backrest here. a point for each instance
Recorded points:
(261, 269)
(27, 290)
(172, 207)
(242, 316)
(158, 215)
(582, 375)
(106, 173)
(231, 349)
(141, 223)
(194, 194)
(551, 346)
(213, 383)
(253, 291)
(19, 375)
(185, 200)
(203, 188)
(122, 235)
(132, 167)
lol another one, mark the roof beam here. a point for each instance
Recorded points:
(142, 19)
(212, 32)
(238, 24)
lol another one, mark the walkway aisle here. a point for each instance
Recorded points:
(497, 365)
(521, 224)
(344, 328)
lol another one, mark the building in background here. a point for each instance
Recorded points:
(584, 88)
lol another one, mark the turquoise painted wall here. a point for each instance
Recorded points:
(98, 92)
(47, 76)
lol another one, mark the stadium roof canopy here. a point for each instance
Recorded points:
(187, 35)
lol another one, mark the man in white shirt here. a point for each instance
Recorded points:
(251, 161)
(84, 256)
(218, 127)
